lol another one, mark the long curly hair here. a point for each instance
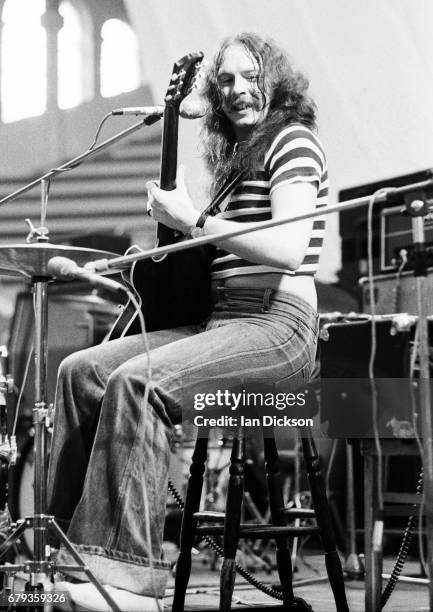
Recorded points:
(289, 102)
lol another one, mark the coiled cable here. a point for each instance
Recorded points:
(402, 553)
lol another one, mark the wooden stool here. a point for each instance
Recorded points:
(229, 525)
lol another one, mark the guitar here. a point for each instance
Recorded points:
(174, 290)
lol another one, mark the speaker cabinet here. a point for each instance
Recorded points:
(393, 294)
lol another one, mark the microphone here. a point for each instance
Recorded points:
(65, 268)
(193, 107)
(147, 111)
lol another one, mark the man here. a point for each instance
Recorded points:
(114, 410)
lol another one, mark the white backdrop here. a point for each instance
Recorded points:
(370, 65)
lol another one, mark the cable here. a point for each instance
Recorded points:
(413, 402)
(408, 534)
(413, 359)
(128, 280)
(403, 551)
(143, 334)
(397, 292)
(330, 465)
(98, 131)
(147, 386)
(271, 592)
(374, 344)
(92, 146)
(147, 522)
(413, 519)
(422, 558)
(131, 290)
(20, 395)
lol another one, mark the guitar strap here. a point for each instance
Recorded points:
(228, 186)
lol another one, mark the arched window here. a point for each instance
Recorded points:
(120, 69)
(23, 60)
(70, 58)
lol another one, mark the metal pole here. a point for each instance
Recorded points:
(424, 384)
(39, 419)
(124, 262)
(76, 161)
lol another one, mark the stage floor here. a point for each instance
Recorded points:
(203, 591)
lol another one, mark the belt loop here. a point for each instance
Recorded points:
(266, 298)
(221, 293)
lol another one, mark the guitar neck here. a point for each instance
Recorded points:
(167, 178)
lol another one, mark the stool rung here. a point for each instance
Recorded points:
(208, 516)
(402, 510)
(281, 527)
(299, 512)
(259, 531)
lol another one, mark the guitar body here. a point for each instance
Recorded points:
(174, 291)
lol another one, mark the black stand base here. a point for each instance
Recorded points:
(48, 567)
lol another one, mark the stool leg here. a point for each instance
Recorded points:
(232, 522)
(324, 521)
(276, 503)
(192, 505)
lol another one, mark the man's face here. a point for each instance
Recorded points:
(243, 102)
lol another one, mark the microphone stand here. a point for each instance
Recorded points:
(417, 208)
(76, 161)
(40, 522)
(124, 262)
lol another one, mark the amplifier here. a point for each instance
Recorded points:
(346, 398)
(396, 234)
(386, 228)
(395, 294)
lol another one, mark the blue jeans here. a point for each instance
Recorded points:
(111, 450)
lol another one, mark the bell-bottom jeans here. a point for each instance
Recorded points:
(107, 482)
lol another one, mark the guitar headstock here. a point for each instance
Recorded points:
(183, 78)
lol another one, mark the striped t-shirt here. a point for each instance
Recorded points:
(294, 156)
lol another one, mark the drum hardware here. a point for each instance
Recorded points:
(32, 260)
(8, 446)
(36, 233)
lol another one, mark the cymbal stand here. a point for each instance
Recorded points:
(8, 445)
(417, 208)
(42, 567)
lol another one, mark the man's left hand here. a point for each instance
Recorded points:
(173, 208)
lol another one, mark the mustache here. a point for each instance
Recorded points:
(254, 99)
